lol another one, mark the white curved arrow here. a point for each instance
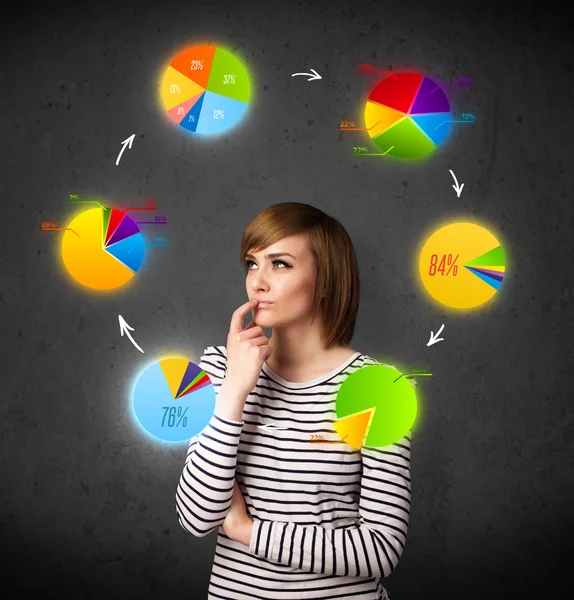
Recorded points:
(314, 75)
(457, 188)
(124, 329)
(271, 427)
(127, 142)
(434, 338)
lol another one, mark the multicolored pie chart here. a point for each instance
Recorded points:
(205, 89)
(375, 407)
(407, 115)
(174, 399)
(102, 248)
(462, 265)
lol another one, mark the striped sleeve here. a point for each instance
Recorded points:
(205, 487)
(372, 546)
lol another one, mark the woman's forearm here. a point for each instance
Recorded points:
(229, 403)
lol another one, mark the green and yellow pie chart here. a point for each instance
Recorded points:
(375, 406)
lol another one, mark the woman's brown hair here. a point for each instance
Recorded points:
(337, 268)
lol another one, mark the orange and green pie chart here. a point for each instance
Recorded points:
(407, 115)
(205, 89)
(102, 248)
(375, 406)
(462, 265)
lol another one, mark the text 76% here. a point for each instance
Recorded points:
(172, 415)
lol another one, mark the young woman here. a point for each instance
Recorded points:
(295, 518)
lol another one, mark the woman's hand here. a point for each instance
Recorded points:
(247, 349)
(238, 524)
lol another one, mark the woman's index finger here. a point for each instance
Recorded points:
(238, 316)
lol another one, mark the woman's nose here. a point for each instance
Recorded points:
(258, 280)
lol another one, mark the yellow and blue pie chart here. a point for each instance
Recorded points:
(173, 399)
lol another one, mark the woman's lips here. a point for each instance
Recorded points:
(264, 304)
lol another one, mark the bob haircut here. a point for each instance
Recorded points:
(337, 268)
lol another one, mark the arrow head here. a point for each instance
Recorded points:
(458, 189)
(123, 325)
(434, 339)
(315, 75)
(129, 140)
(270, 427)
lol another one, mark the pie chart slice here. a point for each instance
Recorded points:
(193, 379)
(170, 416)
(125, 228)
(87, 259)
(494, 280)
(353, 429)
(497, 275)
(217, 111)
(107, 215)
(397, 91)
(173, 371)
(129, 251)
(430, 99)
(379, 118)
(112, 218)
(375, 407)
(196, 385)
(195, 64)
(177, 113)
(228, 77)
(176, 88)
(434, 126)
(206, 90)
(492, 257)
(462, 265)
(406, 140)
(191, 119)
(489, 267)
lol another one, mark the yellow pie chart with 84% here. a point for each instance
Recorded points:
(462, 265)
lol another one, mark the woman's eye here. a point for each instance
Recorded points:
(250, 262)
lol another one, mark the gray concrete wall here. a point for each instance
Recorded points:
(87, 500)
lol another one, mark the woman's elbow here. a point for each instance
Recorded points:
(195, 526)
(197, 530)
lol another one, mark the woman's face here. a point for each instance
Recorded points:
(283, 273)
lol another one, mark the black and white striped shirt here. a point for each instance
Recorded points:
(330, 521)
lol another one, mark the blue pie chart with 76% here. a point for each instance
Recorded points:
(174, 399)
